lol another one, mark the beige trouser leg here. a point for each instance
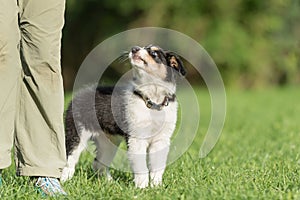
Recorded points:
(38, 127)
(10, 73)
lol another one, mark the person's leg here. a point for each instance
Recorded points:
(40, 141)
(10, 74)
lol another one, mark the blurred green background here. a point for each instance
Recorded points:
(254, 43)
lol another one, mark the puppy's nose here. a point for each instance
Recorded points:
(135, 49)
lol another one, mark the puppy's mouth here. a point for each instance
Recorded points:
(137, 57)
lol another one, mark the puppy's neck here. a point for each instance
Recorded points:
(154, 89)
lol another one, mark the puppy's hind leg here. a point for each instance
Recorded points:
(73, 154)
(106, 147)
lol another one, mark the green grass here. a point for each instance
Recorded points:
(257, 157)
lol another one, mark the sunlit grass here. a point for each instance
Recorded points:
(257, 157)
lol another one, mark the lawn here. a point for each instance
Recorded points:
(257, 157)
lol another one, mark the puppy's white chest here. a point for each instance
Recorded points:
(147, 122)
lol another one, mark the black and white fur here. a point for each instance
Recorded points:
(144, 112)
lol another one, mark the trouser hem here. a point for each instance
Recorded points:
(4, 166)
(5, 163)
(35, 171)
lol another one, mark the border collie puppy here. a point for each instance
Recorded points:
(143, 112)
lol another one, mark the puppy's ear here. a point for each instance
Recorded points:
(174, 61)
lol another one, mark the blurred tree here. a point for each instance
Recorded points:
(254, 43)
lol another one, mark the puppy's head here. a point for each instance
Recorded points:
(157, 62)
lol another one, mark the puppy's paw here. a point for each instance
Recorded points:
(141, 180)
(67, 174)
(105, 174)
(156, 178)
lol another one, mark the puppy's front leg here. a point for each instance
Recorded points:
(137, 154)
(158, 154)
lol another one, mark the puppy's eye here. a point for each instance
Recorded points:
(153, 54)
